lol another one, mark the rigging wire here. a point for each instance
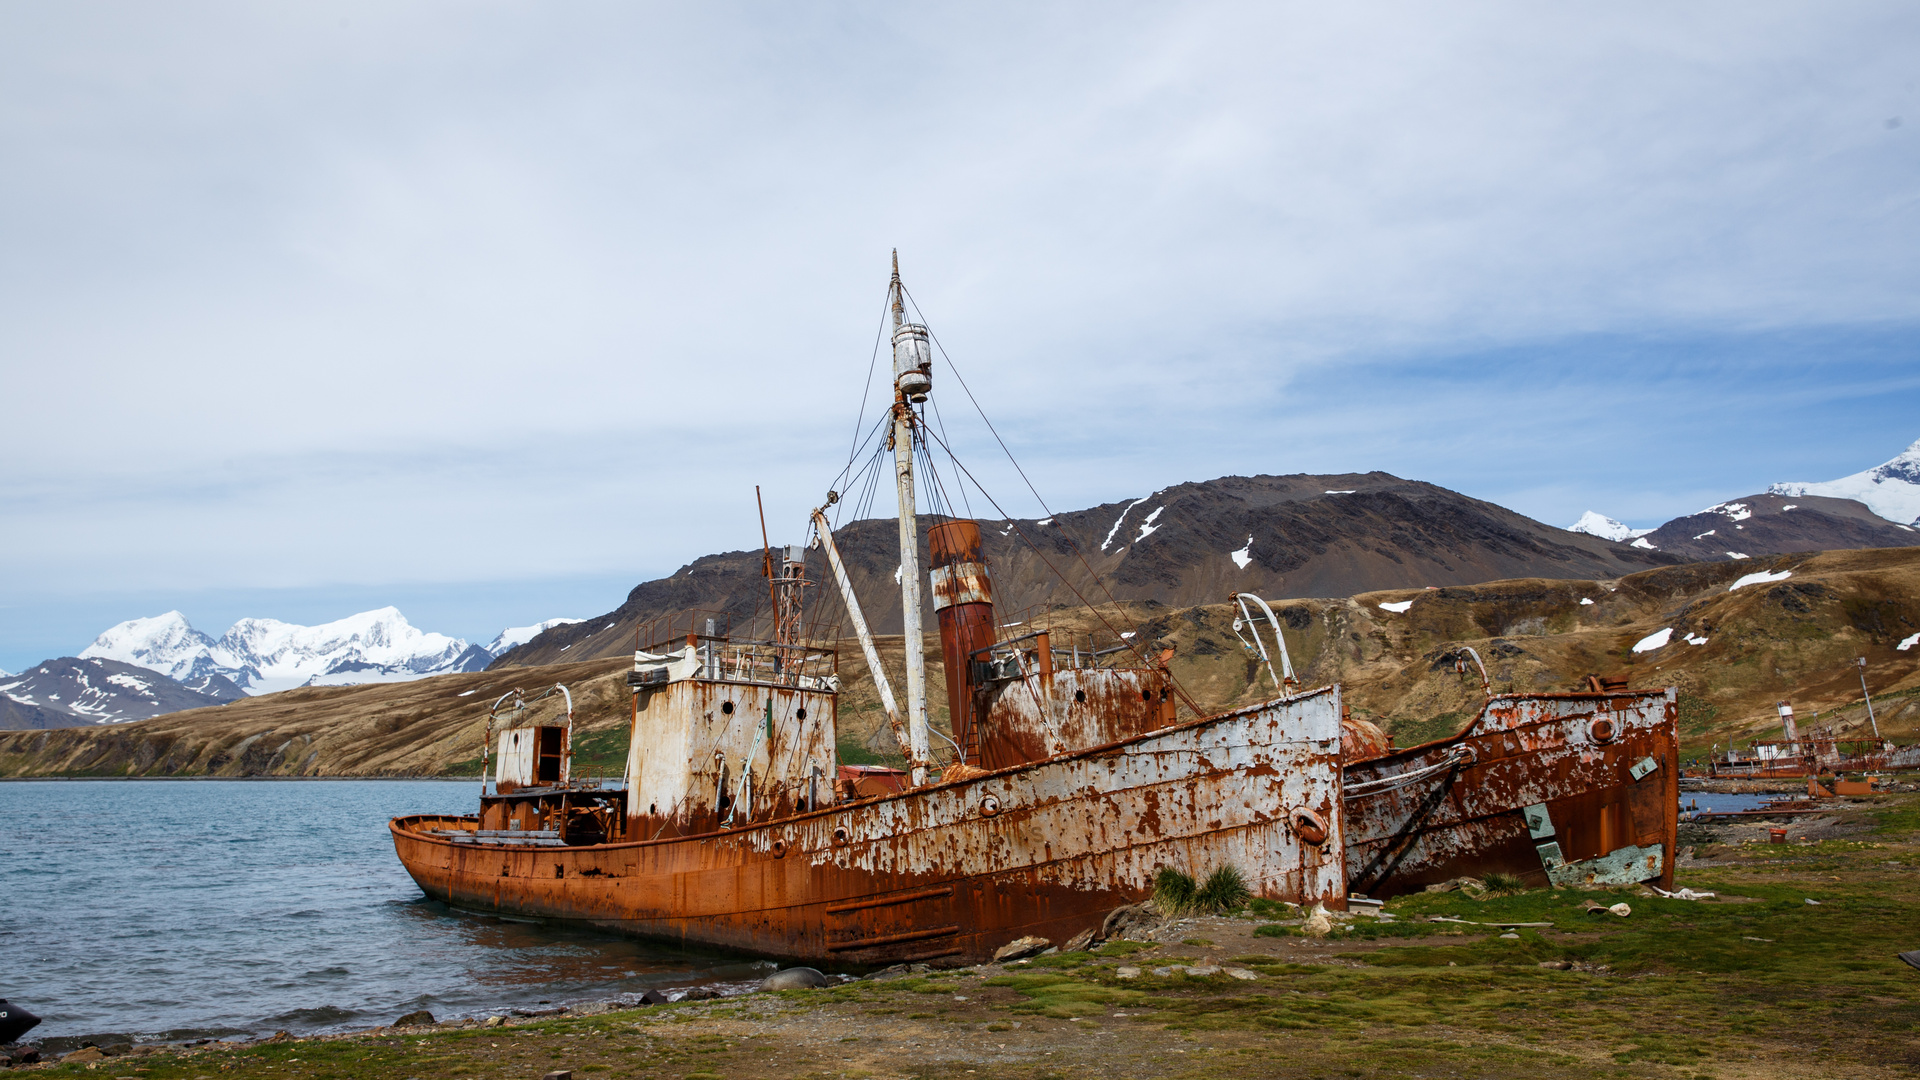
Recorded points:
(865, 391)
(1131, 642)
(941, 504)
(872, 435)
(1097, 580)
(937, 498)
(941, 420)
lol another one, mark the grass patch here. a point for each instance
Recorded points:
(600, 753)
(1416, 732)
(1063, 996)
(1271, 909)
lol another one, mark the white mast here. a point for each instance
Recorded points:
(912, 379)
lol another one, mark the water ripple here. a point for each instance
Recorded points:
(210, 906)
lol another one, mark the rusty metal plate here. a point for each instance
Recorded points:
(1460, 807)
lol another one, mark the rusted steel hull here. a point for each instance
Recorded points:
(1562, 789)
(952, 871)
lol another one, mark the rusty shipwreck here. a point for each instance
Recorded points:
(1071, 779)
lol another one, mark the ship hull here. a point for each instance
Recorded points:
(1555, 789)
(954, 871)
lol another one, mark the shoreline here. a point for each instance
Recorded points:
(1433, 983)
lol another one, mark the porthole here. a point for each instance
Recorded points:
(989, 806)
(840, 836)
(801, 713)
(1309, 828)
(779, 849)
(1080, 696)
(1146, 695)
(727, 707)
(1601, 730)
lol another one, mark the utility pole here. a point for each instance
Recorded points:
(1869, 697)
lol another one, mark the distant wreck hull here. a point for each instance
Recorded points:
(953, 871)
(1556, 789)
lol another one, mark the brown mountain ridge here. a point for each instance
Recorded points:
(1791, 637)
(1193, 543)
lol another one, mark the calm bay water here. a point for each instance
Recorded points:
(1714, 802)
(179, 908)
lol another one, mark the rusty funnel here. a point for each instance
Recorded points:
(963, 600)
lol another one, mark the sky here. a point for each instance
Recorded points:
(492, 310)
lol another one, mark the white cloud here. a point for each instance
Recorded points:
(275, 281)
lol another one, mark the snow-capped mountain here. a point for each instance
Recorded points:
(168, 645)
(1605, 527)
(260, 656)
(514, 636)
(1891, 489)
(74, 692)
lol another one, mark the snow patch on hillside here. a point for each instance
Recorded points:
(1890, 489)
(1117, 522)
(1245, 555)
(1656, 640)
(1398, 607)
(1147, 527)
(1760, 578)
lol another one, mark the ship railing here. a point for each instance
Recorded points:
(1017, 655)
(802, 665)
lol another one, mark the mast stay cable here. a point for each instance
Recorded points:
(1091, 572)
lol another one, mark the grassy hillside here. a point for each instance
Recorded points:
(1793, 638)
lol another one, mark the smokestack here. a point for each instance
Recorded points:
(1786, 722)
(963, 601)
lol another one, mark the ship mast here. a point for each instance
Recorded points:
(912, 379)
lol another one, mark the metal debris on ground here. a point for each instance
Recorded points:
(1682, 894)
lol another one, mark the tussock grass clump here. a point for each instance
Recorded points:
(1225, 890)
(1499, 884)
(1175, 893)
